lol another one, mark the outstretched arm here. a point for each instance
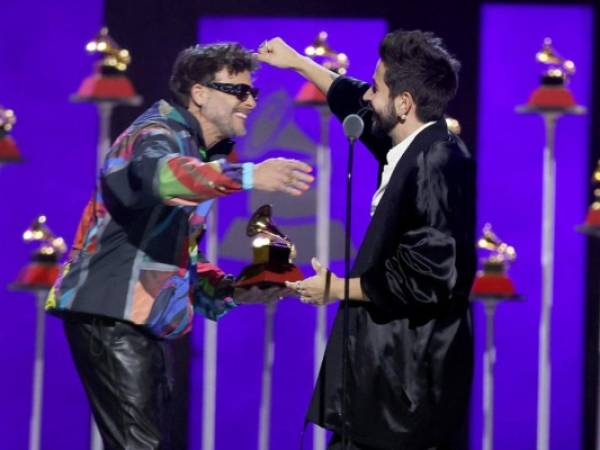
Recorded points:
(278, 53)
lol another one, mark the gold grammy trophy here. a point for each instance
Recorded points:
(321, 52)
(43, 268)
(273, 253)
(9, 152)
(493, 280)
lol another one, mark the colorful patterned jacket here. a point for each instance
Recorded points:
(135, 256)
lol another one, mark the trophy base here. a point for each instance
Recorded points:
(268, 275)
(36, 275)
(590, 230)
(497, 286)
(8, 150)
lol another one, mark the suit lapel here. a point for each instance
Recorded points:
(386, 219)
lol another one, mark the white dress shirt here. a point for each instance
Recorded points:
(392, 158)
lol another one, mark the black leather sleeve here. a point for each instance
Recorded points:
(345, 98)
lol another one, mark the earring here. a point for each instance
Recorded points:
(403, 117)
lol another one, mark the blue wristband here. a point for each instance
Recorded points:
(247, 176)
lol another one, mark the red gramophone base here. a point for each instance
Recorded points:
(593, 217)
(8, 150)
(310, 95)
(265, 275)
(98, 87)
(36, 275)
(493, 285)
(551, 97)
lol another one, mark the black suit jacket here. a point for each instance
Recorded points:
(410, 349)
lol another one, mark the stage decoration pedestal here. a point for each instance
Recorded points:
(273, 253)
(492, 286)
(38, 277)
(551, 100)
(108, 87)
(310, 96)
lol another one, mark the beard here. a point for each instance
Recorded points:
(384, 122)
(228, 124)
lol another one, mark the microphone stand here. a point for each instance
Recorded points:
(346, 315)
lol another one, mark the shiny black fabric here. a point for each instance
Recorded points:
(124, 373)
(410, 349)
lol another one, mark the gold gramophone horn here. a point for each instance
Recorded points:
(261, 222)
(489, 241)
(38, 231)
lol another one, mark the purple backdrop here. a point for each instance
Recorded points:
(44, 65)
(510, 196)
(241, 333)
(43, 61)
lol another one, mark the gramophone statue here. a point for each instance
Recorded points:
(107, 87)
(42, 271)
(492, 286)
(551, 100)
(38, 276)
(493, 280)
(273, 253)
(321, 52)
(8, 148)
(553, 94)
(592, 220)
(108, 82)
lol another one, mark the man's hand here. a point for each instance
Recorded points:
(255, 295)
(284, 175)
(277, 53)
(317, 289)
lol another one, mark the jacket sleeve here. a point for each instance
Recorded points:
(422, 271)
(212, 290)
(345, 98)
(149, 169)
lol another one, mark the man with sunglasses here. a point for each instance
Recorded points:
(135, 274)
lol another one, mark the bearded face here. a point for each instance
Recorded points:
(385, 119)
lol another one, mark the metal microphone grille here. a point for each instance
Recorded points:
(353, 126)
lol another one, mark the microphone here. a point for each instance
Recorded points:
(353, 126)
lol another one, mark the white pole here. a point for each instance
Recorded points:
(322, 242)
(547, 259)
(209, 379)
(35, 424)
(105, 110)
(267, 376)
(489, 360)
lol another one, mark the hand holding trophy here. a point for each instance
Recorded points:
(264, 280)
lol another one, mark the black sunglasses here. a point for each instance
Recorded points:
(242, 91)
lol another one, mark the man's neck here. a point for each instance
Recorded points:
(402, 130)
(210, 134)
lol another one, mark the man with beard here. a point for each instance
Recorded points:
(135, 274)
(409, 365)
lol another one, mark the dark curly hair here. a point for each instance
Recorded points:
(199, 64)
(417, 62)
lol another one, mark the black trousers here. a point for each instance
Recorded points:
(125, 375)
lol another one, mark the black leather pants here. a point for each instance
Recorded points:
(124, 373)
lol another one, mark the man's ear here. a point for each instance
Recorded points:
(403, 104)
(199, 94)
